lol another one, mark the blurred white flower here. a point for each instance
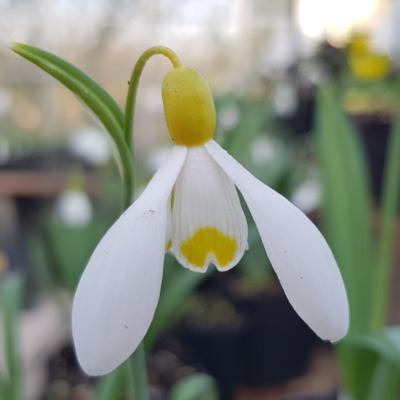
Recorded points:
(263, 150)
(229, 117)
(307, 196)
(92, 145)
(157, 158)
(5, 102)
(285, 99)
(74, 208)
(5, 151)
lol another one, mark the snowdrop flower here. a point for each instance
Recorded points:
(191, 207)
(73, 208)
(92, 145)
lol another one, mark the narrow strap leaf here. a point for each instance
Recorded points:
(10, 299)
(74, 79)
(390, 201)
(346, 206)
(96, 98)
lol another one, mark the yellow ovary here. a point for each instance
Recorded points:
(206, 241)
(189, 107)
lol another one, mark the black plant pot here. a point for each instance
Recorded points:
(218, 351)
(300, 122)
(374, 131)
(276, 344)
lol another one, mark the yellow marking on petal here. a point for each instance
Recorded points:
(168, 247)
(209, 240)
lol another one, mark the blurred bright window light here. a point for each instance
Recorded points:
(334, 19)
(193, 16)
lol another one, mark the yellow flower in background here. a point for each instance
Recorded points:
(365, 63)
(191, 207)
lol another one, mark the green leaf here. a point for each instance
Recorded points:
(5, 389)
(95, 97)
(251, 123)
(346, 207)
(119, 384)
(377, 357)
(112, 386)
(385, 343)
(60, 239)
(390, 203)
(178, 285)
(385, 382)
(195, 387)
(346, 211)
(356, 367)
(11, 298)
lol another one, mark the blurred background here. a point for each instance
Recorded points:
(307, 93)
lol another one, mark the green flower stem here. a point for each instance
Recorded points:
(127, 172)
(390, 201)
(139, 374)
(133, 87)
(138, 359)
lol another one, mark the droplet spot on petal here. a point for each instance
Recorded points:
(208, 242)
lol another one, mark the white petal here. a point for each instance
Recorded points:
(119, 289)
(208, 224)
(298, 252)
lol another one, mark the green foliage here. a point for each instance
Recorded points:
(381, 374)
(346, 207)
(96, 98)
(390, 203)
(369, 360)
(178, 284)
(195, 387)
(71, 248)
(11, 298)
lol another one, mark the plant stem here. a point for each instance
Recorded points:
(134, 83)
(139, 374)
(133, 87)
(137, 363)
(391, 195)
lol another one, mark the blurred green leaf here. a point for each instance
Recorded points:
(5, 390)
(385, 382)
(117, 385)
(255, 265)
(93, 95)
(11, 298)
(379, 374)
(385, 343)
(61, 239)
(195, 387)
(178, 285)
(251, 123)
(346, 211)
(346, 207)
(390, 204)
(357, 367)
(112, 386)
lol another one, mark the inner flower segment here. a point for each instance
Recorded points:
(207, 223)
